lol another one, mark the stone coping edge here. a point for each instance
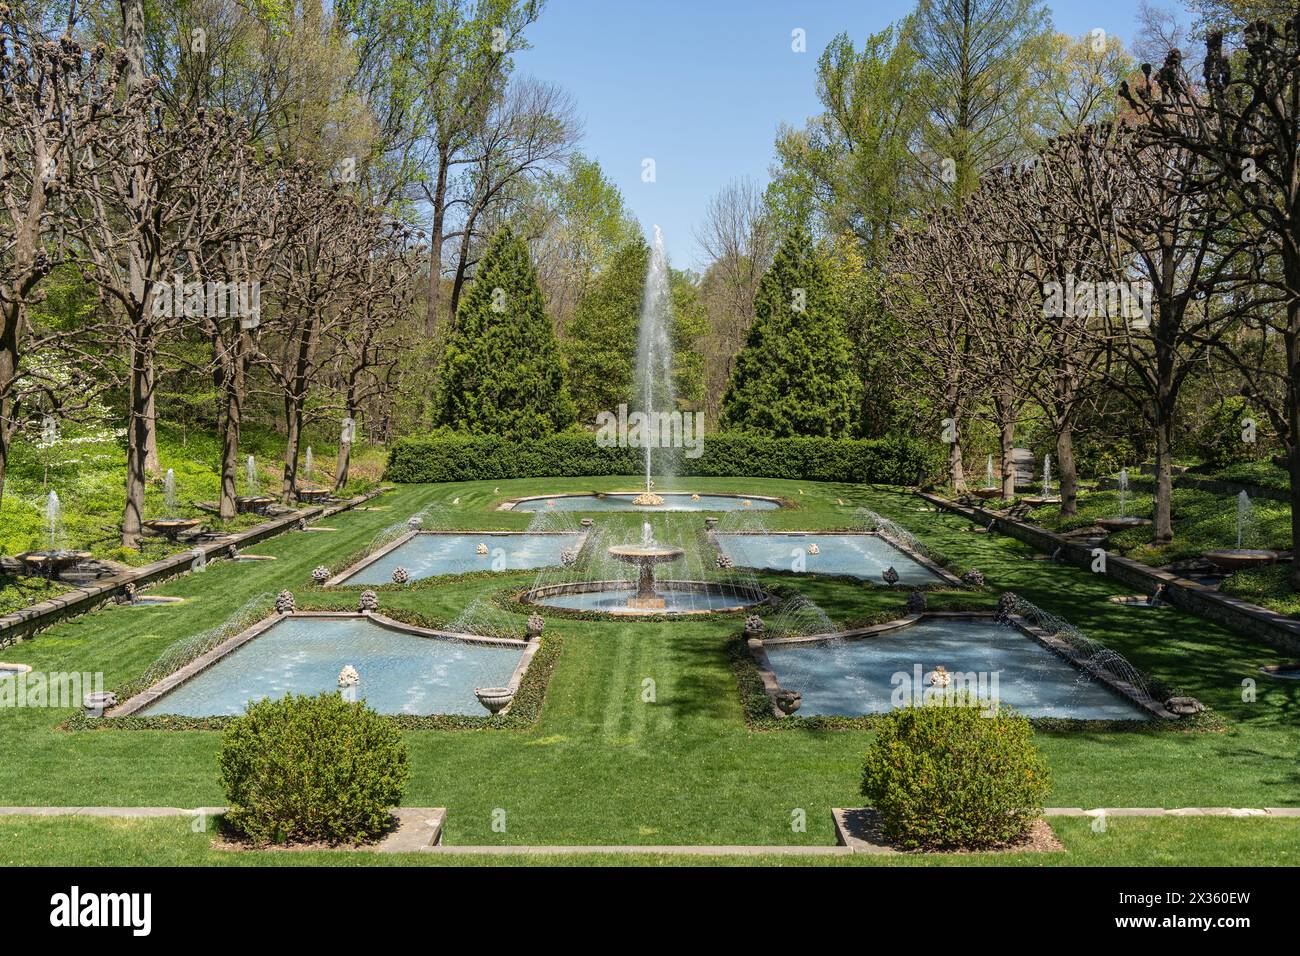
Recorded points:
(509, 503)
(198, 665)
(1243, 617)
(772, 686)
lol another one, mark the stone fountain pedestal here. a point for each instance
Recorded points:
(645, 558)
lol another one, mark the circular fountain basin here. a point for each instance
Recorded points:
(171, 527)
(625, 501)
(1237, 559)
(10, 670)
(249, 503)
(615, 597)
(639, 554)
(313, 496)
(47, 562)
(1277, 671)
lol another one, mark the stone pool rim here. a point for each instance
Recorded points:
(772, 686)
(945, 576)
(529, 597)
(340, 579)
(188, 672)
(510, 503)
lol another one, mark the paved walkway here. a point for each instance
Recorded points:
(419, 830)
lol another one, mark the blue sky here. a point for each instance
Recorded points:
(700, 86)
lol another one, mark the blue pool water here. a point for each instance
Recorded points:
(855, 677)
(675, 602)
(427, 555)
(864, 556)
(400, 673)
(623, 502)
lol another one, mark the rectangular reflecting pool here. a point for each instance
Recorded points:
(863, 556)
(870, 675)
(400, 673)
(430, 553)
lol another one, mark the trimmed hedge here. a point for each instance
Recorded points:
(435, 458)
(306, 769)
(944, 775)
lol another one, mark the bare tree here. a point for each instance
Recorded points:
(55, 99)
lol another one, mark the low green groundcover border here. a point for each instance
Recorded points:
(525, 708)
(758, 709)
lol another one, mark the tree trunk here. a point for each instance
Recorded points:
(1164, 527)
(1067, 472)
(293, 417)
(435, 241)
(152, 461)
(1008, 443)
(141, 387)
(231, 370)
(1292, 440)
(345, 461)
(8, 369)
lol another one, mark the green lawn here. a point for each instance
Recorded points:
(601, 766)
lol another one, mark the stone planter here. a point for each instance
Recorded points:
(495, 699)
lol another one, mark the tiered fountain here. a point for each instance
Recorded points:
(645, 556)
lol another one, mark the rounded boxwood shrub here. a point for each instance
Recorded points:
(312, 769)
(947, 776)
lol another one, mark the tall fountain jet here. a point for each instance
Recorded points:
(654, 354)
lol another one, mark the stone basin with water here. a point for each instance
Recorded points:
(623, 501)
(853, 677)
(430, 553)
(400, 673)
(865, 556)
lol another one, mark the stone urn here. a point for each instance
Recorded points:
(401, 575)
(368, 601)
(415, 523)
(710, 523)
(232, 552)
(285, 603)
(495, 699)
(126, 595)
(788, 701)
(973, 578)
(534, 626)
(98, 701)
(1184, 706)
(587, 522)
(890, 575)
(321, 574)
(916, 603)
(754, 626)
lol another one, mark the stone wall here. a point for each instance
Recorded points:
(1237, 615)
